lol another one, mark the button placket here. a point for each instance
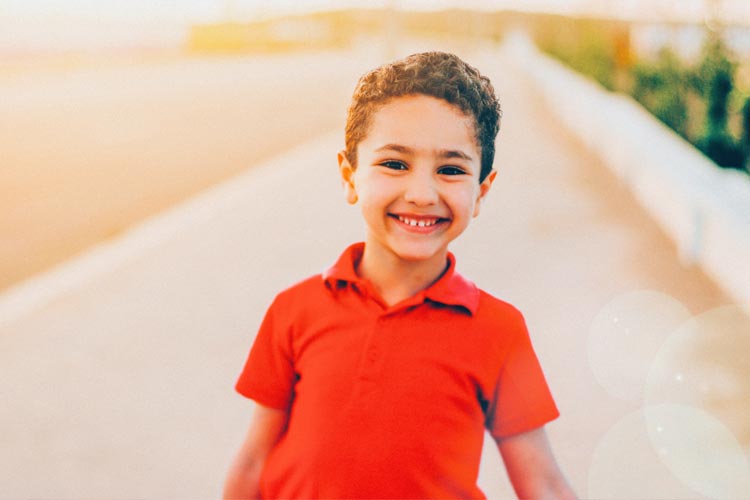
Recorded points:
(374, 351)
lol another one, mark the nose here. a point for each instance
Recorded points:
(421, 190)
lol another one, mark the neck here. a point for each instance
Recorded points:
(396, 279)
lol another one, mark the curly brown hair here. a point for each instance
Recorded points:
(437, 74)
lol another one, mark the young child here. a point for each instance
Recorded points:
(377, 378)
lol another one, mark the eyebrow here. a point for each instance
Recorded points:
(442, 153)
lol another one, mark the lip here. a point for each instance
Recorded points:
(431, 222)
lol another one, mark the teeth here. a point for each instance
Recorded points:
(415, 223)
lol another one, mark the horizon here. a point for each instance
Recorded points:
(87, 25)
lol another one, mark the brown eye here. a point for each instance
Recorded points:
(451, 171)
(394, 165)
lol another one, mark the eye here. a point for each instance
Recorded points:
(394, 165)
(450, 170)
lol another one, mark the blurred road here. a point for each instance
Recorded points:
(123, 387)
(88, 153)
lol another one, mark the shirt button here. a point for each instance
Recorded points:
(372, 355)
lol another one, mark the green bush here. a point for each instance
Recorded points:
(745, 138)
(693, 100)
(713, 79)
(662, 88)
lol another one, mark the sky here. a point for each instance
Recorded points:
(45, 24)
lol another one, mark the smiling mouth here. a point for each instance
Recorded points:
(419, 222)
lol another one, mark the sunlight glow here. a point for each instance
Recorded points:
(92, 24)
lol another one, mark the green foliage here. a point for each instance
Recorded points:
(714, 79)
(745, 138)
(590, 60)
(587, 46)
(662, 88)
(693, 100)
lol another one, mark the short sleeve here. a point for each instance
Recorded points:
(522, 399)
(268, 376)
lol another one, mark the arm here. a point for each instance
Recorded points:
(266, 427)
(532, 468)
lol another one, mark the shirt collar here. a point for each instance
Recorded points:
(451, 289)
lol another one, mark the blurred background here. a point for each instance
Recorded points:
(167, 166)
(108, 113)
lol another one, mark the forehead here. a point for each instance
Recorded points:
(422, 122)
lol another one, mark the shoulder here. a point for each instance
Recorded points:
(300, 294)
(496, 310)
(499, 320)
(296, 305)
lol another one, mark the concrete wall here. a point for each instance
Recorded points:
(705, 209)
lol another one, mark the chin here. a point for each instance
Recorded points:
(418, 254)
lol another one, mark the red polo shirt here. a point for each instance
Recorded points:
(390, 402)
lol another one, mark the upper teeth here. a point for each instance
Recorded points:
(420, 223)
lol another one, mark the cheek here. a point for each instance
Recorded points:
(374, 189)
(369, 201)
(463, 201)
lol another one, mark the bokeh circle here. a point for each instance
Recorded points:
(626, 335)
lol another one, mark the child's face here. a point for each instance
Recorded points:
(417, 177)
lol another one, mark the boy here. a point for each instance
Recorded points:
(377, 378)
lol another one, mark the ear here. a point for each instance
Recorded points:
(347, 177)
(484, 188)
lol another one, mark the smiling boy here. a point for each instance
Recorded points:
(377, 378)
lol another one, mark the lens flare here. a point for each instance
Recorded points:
(625, 337)
(705, 364)
(625, 464)
(699, 450)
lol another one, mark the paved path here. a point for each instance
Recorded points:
(122, 387)
(87, 154)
